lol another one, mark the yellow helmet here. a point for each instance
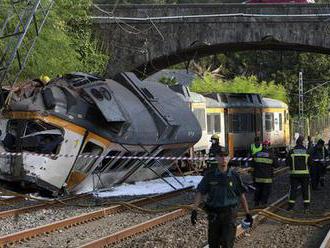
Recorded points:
(215, 136)
(44, 78)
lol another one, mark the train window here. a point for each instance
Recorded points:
(217, 124)
(213, 123)
(120, 161)
(200, 115)
(40, 137)
(210, 124)
(269, 122)
(86, 164)
(138, 154)
(280, 121)
(250, 98)
(106, 162)
(240, 123)
(259, 99)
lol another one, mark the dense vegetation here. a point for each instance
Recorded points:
(65, 44)
(239, 84)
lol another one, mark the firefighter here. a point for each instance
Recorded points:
(214, 149)
(256, 146)
(263, 164)
(224, 189)
(318, 167)
(298, 161)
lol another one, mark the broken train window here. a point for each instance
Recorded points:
(40, 137)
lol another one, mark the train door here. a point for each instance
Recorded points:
(85, 164)
(40, 137)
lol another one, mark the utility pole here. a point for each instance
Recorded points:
(301, 103)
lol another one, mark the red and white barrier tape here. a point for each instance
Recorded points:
(244, 159)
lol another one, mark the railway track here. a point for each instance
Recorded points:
(168, 217)
(162, 220)
(34, 207)
(80, 219)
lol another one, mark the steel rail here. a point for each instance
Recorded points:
(260, 218)
(136, 229)
(34, 207)
(6, 201)
(81, 219)
(161, 220)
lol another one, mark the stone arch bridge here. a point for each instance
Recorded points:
(148, 38)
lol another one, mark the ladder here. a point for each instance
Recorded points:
(17, 38)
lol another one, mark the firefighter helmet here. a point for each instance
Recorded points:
(215, 136)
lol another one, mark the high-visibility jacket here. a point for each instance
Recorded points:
(255, 149)
(263, 164)
(298, 161)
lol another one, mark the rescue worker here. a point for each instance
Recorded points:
(298, 161)
(310, 144)
(44, 78)
(256, 146)
(224, 189)
(263, 165)
(318, 167)
(214, 149)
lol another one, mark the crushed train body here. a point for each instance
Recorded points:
(80, 114)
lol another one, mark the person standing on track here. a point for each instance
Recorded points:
(318, 167)
(224, 189)
(263, 164)
(214, 149)
(299, 161)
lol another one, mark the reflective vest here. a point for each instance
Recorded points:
(299, 162)
(263, 167)
(255, 149)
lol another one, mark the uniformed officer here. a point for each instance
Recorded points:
(224, 189)
(298, 161)
(263, 165)
(256, 146)
(214, 149)
(318, 167)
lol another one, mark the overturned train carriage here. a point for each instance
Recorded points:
(80, 114)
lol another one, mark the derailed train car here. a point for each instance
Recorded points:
(80, 114)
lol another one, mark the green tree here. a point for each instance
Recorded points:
(239, 84)
(66, 43)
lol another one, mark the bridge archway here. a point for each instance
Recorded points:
(146, 45)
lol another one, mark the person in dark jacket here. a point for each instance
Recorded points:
(214, 149)
(299, 161)
(263, 164)
(318, 168)
(224, 189)
(310, 144)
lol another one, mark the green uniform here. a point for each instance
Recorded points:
(223, 192)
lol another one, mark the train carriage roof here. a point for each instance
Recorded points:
(237, 100)
(273, 103)
(212, 103)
